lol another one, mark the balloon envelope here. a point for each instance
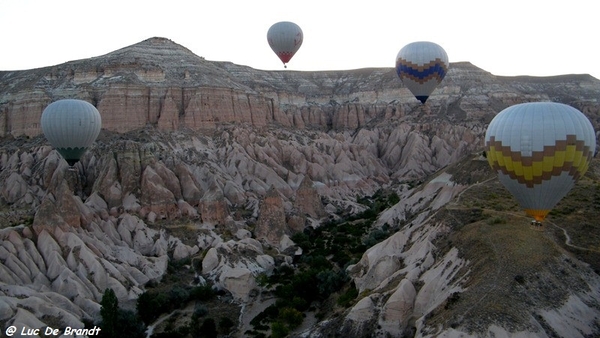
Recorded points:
(422, 66)
(71, 126)
(539, 151)
(285, 38)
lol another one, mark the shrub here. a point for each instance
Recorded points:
(348, 297)
(330, 281)
(279, 330)
(208, 328)
(292, 317)
(496, 220)
(200, 310)
(225, 325)
(201, 293)
(520, 279)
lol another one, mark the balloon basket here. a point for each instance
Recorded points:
(537, 226)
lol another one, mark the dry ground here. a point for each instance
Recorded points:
(515, 268)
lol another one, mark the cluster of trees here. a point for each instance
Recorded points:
(153, 303)
(320, 273)
(117, 322)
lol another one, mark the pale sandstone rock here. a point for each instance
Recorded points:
(25, 320)
(95, 202)
(378, 262)
(108, 185)
(169, 179)
(397, 311)
(14, 188)
(213, 206)
(239, 281)
(131, 203)
(210, 261)
(266, 262)
(242, 234)
(40, 307)
(437, 286)
(183, 251)
(271, 224)
(186, 210)
(286, 243)
(156, 197)
(362, 311)
(190, 191)
(308, 200)
(7, 307)
(252, 244)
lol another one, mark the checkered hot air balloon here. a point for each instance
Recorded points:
(539, 151)
(71, 126)
(422, 66)
(285, 38)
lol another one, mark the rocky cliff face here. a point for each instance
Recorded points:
(241, 159)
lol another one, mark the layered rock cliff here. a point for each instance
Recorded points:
(223, 163)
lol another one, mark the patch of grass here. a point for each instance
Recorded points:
(496, 220)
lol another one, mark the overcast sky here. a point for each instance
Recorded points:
(509, 37)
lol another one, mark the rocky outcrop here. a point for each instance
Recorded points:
(234, 265)
(308, 200)
(271, 224)
(213, 206)
(64, 270)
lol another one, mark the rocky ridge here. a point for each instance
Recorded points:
(244, 158)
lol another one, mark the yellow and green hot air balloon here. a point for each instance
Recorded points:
(539, 151)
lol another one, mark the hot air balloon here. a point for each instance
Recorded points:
(539, 151)
(71, 126)
(422, 66)
(285, 38)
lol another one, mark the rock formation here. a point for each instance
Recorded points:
(271, 224)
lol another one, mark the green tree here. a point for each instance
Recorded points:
(225, 325)
(150, 305)
(208, 329)
(109, 311)
(130, 325)
(292, 317)
(279, 330)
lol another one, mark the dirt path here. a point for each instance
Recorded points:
(471, 186)
(568, 239)
(150, 328)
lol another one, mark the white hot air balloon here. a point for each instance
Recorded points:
(71, 126)
(539, 151)
(285, 38)
(422, 66)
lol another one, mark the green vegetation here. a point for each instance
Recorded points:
(320, 274)
(151, 304)
(193, 311)
(117, 322)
